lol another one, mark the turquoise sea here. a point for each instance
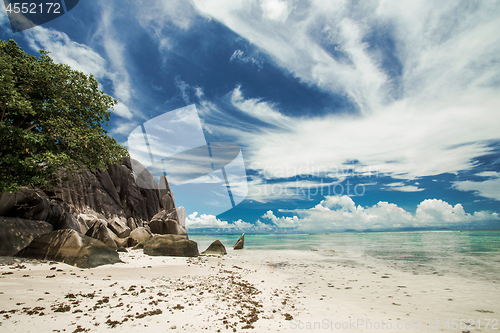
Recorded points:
(471, 254)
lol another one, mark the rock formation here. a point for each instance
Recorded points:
(239, 244)
(105, 205)
(70, 247)
(215, 248)
(100, 231)
(170, 245)
(139, 235)
(166, 222)
(16, 233)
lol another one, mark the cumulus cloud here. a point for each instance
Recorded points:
(195, 222)
(338, 213)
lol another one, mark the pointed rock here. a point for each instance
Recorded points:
(215, 248)
(239, 243)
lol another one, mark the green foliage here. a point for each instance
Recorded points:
(50, 118)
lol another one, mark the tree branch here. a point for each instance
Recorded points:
(32, 126)
(3, 112)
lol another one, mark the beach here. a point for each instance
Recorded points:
(254, 289)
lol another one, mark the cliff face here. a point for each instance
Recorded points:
(115, 193)
(111, 197)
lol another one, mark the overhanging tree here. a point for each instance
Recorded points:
(50, 119)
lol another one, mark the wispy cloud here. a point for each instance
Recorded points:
(80, 57)
(116, 54)
(433, 115)
(489, 188)
(239, 56)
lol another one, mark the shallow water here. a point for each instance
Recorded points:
(472, 254)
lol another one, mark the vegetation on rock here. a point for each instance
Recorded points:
(51, 118)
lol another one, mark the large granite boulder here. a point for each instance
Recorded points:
(61, 218)
(34, 204)
(216, 248)
(119, 227)
(70, 247)
(170, 245)
(116, 192)
(16, 233)
(239, 244)
(29, 204)
(166, 223)
(100, 231)
(139, 235)
(89, 220)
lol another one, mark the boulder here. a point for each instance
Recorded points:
(119, 241)
(111, 193)
(139, 235)
(170, 245)
(215, 248)
(70, 247)
(239, 243)
(89, 220)
(101, 232)
(16, 233)
(61, 218)
(166, 223)
(119, 227)
(29, 204)
(131, 223)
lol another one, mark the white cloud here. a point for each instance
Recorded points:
(122, 110)
(123, 128)
(402, 187)
(284, 32)
(338, 213)
(116, 54)
(82, 58)
(275, 10)
(66, 51)
(239, 55)
(445, 110)
(155, 16)
(184, 88)
(300, 189)
(207, 221)
(403, 141)
(488, 188)
(3, 17)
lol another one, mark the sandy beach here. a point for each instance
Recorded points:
(243, 291)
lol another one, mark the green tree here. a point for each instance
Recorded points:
(50, 119)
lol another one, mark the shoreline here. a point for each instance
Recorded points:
(246, 290)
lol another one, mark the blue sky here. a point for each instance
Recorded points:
(377, 115)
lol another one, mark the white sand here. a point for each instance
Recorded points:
(243, 291)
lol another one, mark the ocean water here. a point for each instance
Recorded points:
(471, 254)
